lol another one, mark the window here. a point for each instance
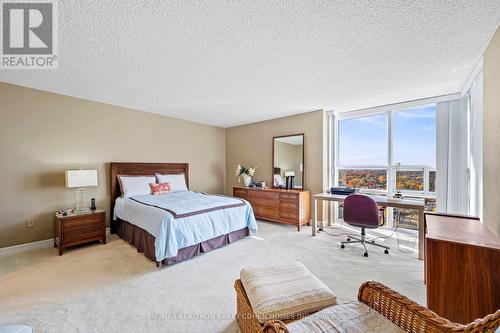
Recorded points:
(373, 155)
(414, 136)
(389, 151)
(410, 180)
(414, 148)
(363, 141)
(362, 152)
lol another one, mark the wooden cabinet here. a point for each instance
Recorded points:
(462, 268)
(278, 205)
(77, 229)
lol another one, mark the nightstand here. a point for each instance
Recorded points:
(79, 228)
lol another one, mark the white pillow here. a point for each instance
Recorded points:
(135, 185)
(177, 181)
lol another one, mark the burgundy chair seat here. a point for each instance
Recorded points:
(363, 212)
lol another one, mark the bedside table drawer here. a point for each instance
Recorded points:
(82, 234)
(82, 223)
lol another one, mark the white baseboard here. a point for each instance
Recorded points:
(33, 245)
(22, 247)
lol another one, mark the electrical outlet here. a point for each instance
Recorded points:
(30, 224)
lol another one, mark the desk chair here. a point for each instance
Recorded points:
(361, 211)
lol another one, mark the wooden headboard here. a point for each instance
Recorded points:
(130, 168)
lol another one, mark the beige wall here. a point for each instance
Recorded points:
(44, 134)
(491, 132)
(252, 145)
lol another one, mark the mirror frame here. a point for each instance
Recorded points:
(303, 159)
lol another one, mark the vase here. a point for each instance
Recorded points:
(247, 180)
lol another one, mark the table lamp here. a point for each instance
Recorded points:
(81, 179)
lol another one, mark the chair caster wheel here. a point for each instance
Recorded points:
(342, 246)
(348, 239)
(386, 251)
(365, 254)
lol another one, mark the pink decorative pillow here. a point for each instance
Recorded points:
(161, 188)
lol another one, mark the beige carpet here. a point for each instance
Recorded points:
(112, 288)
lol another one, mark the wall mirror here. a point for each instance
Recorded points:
(288, 161)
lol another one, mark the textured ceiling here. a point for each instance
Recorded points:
(227, 62)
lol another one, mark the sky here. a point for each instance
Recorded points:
(363, 141)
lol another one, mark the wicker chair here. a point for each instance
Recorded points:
(403, 312)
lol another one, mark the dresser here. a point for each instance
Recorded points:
(79, 228)
(278, 205)
(462, 267)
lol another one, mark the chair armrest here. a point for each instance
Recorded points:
(414, 318)
(274, 326)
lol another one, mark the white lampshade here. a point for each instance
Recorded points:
(81, 178)
(289, 174)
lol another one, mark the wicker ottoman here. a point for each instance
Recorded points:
(285, 292)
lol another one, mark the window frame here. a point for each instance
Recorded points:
(390, 168)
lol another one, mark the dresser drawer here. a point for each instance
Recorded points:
(263, 195)
(289, 215)
(266, 212)
(82, 223)
(289, 206)
(240, 193)
(289, 196)
(260, 202)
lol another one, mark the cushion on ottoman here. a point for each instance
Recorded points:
(284, 291)
(349, 317)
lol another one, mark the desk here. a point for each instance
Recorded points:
(382, 201)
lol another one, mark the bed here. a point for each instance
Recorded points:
(177, 226)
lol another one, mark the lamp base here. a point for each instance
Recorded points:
(80, 199)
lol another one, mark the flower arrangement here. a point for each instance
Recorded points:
(245, 172)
